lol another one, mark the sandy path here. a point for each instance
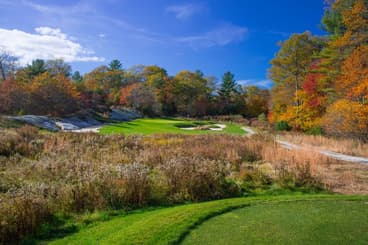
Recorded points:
(332, 154)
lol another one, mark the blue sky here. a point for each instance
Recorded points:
(211, 35)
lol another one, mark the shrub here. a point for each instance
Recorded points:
(299, 177)
(315, 131)
(21, 216)
(254, 180)
(262, 117)
(19, 141)
(283, 126)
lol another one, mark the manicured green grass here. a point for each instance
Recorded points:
(317, 222)
(166, 126)
(171, 225)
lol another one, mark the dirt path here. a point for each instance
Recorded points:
(332, 154)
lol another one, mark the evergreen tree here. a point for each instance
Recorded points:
(37, 67)
(77, 77)
(115, 65)
(228, 86)
(229, 95)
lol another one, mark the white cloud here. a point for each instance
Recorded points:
(185, 10)
(259, 83)
(77, 8)
(46, 43)
(221, 36)
(102, 35)
(48, 31)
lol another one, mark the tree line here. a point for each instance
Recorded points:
(321, 82)
(50, 88)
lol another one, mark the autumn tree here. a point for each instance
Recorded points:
(126, 94)
(154, 76)
(52, 95)
(289, 68)
(143, 99)
(353, 82)
(189, 89)
(256, 101)
(347, 21)
(347, 119)
(13, 97)
(105, 82)
(355, 20)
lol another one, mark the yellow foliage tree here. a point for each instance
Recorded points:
(347, 118)
(353, 82)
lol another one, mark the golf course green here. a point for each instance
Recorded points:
(317, 222)
(146, 126)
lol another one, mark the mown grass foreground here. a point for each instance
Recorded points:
(316, 216)
(317, 222)
(147, 126)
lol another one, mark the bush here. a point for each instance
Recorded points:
(262, 117)
(255, 181)
(315, 131)
(299, 177)
(21, 141)
(283, 126)
(21, 216)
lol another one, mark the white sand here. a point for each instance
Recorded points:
(94, 129)
(219, 127)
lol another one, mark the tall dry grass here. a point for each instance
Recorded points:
(346, 146)
(75, 173)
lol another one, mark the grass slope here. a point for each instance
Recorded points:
(171, 225)
(164, 126)
(318, 222)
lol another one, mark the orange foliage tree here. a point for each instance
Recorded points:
(13, 97)
(52, 95)
(353, 82)
(347, 118)
(126, 93)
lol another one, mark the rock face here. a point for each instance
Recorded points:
(124, 115)
(76, 122)
(38, 121)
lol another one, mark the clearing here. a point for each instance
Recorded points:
(148, 126)
(287, 219)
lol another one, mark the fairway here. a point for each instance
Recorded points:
(147, 126)
(317, 222)
(322, 219)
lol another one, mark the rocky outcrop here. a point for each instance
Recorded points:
(77, 121)
(123, 115)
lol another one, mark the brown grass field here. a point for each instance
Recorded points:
(42, 174)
